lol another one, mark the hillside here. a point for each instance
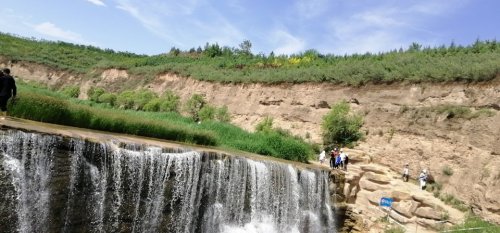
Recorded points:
(477, 62)
(450, 127)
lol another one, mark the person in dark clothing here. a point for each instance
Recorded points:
(7, 89)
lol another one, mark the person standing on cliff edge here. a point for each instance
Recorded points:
(7, 89)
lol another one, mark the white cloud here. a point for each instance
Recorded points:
(288, 44)
(50, 29)
(311, 8)
(384, 28)
(97, 2)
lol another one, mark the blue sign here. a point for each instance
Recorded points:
(386, 201)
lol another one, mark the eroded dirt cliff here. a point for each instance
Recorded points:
(402, 121)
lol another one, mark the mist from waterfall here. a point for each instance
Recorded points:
(70, 185)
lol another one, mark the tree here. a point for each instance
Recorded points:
(245, 47)
(175, 51)
(340, 126)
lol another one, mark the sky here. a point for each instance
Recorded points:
(283, 27)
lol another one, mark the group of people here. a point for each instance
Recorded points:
(422, 178)
(8, 89)
(338, 158)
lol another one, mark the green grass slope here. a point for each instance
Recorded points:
(40, 104)
(477, 62)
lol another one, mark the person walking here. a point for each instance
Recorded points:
(342, 158)
(7, 89)
(406, 173)
(423, 179)
(322, 156)
(332, 159)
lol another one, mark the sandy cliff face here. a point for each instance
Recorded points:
(401, 121)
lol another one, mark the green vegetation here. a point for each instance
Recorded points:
(474, 224)
(395, 229)
(454, 111)
(477, 62)
(40, 104)
(453, 201)
(340, 126)
(447, 171)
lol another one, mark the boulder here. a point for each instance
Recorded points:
(371, 168)
(400, 195)
(429, 223)
(353, 193)
(375, 197)
(428, 212)
(398, 217)
(347, 190)
(427, 201)
(405, 207)
(377, 178)
(370, 186)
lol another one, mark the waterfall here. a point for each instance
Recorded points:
(65, 185)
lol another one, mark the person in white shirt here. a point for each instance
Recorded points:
(322, 157)
(342, 158)
(423, 179)
(406, 173)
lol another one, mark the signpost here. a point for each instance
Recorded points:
(386, 202)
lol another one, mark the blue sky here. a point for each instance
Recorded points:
(285, 27)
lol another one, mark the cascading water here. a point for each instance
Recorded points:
(60, 185)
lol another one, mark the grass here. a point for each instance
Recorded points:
(453, 201)
(43, 105)
(395, 229)
(474, 224)
(472, 63)
(455, 111)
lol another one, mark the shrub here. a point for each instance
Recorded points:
(108, 98)
(447, 171)
(125, 100)
(222, 114)
(153, 105)
(265, 125)
(169, 102)
(94, 93)
(71, 91)
(142, 97)
(194, 105)
(341, 127)
(207, 113)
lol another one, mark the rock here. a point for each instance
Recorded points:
(398, 217)
(423, 199)
(375, 197)
(399, 195)
(353, 193)
(347, 190)
(405, 207)
(428, 212)
(322, 104)
(429, 223)
(370, 186)
(377, 178)
(371, 168)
